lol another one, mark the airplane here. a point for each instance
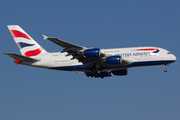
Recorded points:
(94, 62)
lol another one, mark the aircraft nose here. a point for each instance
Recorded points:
(173, 58)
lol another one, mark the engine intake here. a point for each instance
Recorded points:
(95, 52)
(114, 60)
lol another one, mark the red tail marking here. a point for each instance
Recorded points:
(33, 52)
(16, 33)
(17, 61)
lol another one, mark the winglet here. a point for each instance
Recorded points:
(45, 37)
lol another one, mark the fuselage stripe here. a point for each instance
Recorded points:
(149, 49)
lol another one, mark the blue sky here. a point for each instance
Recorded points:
(145, 93)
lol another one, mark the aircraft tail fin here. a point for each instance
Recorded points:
(27, 45)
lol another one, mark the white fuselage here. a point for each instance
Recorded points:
(135, 56)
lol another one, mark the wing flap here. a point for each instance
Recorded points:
(20, 57)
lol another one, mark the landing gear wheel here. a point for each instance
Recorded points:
(165, 70)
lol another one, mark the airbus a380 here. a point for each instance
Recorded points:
(93, 62)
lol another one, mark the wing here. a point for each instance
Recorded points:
(77, 52)
(62, 43)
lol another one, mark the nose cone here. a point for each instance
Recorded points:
(173, 58)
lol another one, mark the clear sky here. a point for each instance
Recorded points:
(146, 93)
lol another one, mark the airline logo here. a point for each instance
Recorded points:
(141, 52)
(29, 46)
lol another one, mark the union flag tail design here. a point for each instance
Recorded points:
(27, 45)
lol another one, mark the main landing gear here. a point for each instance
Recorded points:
(165, 69)
(95, 74)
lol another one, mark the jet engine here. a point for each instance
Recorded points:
(114, 60)
(95, 52)
(106, 74)
(120, 72)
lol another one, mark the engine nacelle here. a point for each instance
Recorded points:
(106, 74)
(95, 52)
(114, 60)
(120, 72)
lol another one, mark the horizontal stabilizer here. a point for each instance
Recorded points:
(20, 57)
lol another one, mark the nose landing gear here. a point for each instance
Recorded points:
(165, 69)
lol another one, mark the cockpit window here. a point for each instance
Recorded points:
(168, 53)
